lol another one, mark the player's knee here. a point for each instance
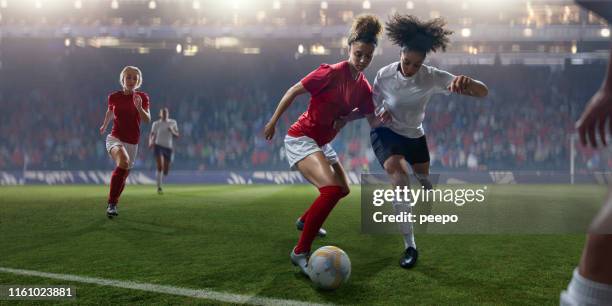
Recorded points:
(334, 191)
(344, 191)
(124, 162)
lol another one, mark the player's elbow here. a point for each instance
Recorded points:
(482, 91)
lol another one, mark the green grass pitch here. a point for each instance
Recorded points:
(237, 239)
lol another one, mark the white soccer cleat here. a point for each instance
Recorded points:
(300, 260)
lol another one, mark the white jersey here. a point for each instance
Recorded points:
(406, 98)
(161, 129)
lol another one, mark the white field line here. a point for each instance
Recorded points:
(194, 293)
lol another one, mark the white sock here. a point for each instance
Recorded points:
(583, 291)
(159, 179)
(405, 227)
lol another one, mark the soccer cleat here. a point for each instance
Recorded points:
(300, 226)
(300, 260)
(409, 258)
(159, 190)
(111, 210)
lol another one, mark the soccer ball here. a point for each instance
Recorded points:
(329, 267)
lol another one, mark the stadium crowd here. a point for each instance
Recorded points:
(51, 112)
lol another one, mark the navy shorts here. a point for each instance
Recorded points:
(163, 151)
(385, 143)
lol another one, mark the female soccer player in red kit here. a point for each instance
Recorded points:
(127, 107)
(338, 93)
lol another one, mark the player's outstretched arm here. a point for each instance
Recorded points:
(107, 118)
(597, 112)
(283, 105)
(465, 85)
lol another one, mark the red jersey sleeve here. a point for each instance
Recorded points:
(366, 105)
(145, 100)
(317, 80)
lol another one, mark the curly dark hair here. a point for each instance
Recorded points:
(410, 33)
(366, 29)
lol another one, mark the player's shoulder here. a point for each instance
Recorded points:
(387, 72)
(115, 94)
(431, 70)
(142, 94)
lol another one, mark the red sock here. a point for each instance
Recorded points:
(117, 181)
(304, 215)
(124, 181)
(316, 215)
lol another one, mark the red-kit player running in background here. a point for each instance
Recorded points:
(127, 108)
(338, 93)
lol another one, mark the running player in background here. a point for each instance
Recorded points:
(160, 139)
(401, 93)
(591, 282)
(338, 93)
(127, 108)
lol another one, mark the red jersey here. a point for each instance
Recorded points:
(126, 125)
(333, 94)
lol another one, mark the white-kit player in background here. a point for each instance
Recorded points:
(161, 140)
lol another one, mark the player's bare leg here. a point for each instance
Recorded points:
(331, 182)
(159, 160)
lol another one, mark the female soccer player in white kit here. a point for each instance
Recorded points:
(401, 93)
(160, 139)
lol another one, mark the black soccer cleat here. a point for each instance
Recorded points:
(111, 211)
(159, 190)
(409, 258)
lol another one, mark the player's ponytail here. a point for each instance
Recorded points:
(366, 29)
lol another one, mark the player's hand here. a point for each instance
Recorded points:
(384, 116)
(594, 117)
(102, 130)
(269, 130)
(137, 101)
(340, 123)
(460, 84)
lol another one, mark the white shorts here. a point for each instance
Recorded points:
(131, 149)
(298, 148)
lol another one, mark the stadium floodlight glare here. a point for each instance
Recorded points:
(301, 49)
(410, 5)
(574, 48)
(114, 4)
(78, 4)
(152, 5)
(3, 4)
(196, 4)
(366, 5)
(67, 42)
(324, 5)
(38, 4)
(605, 32)
(527, 32)
(466, 32)
(179, 48)
(276, 5)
